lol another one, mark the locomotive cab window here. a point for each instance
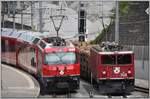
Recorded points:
(124, 59)
(108, 59)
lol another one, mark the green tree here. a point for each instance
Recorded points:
(123, 9)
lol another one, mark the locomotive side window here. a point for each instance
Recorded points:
(42, 44)
(124, 59)
(108, 59)
(36, 40)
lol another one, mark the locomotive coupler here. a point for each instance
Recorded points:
(91, 94)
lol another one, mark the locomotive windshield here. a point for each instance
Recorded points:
(108, 59)
(60, 58)
(121, 59)
(124, 59)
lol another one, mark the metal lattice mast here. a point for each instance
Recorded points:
(32, 15)
(22, 3)
(40, 17)
(14, 12)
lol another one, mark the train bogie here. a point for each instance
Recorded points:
(69, 83)
(116, 86)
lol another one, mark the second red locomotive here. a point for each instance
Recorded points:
(112, 68)
(108, 66)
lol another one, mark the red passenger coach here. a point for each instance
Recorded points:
(112, 68)
(52, 60)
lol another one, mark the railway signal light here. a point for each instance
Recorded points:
(81, 38)
(82, 23)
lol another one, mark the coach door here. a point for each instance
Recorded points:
(3, 50)
(33, 60)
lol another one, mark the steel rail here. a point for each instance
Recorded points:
(141, 89)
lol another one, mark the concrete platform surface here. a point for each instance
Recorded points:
(16, 83)
(142, 83)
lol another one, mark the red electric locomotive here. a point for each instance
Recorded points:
(52, 60)
(112, 68)
(60, 65)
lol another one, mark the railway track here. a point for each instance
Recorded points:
(94, 95)
(139, 92)
(144, 90)
(87, 91)
(68, 95)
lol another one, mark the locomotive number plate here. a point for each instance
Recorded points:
(123, 74)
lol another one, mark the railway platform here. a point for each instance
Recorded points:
(142, 83)
(16, 83)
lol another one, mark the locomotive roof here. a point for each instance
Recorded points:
(30, 37)
(43, 44)
(118, 52)
(100, 50)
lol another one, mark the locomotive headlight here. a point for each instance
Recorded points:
(129, 71)
(103, 72)
(61, 72)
